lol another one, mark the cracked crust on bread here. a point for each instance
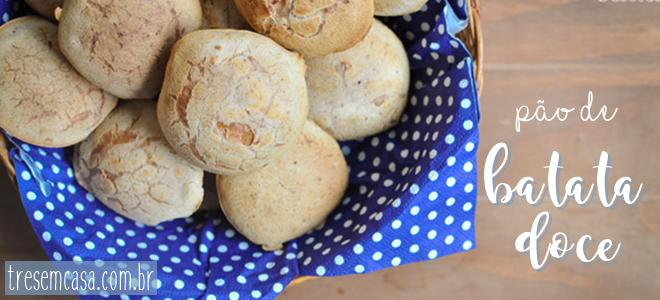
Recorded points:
(232, 101)
(122, 46)
(397, 7)
(311, 27)
(129, 166)
(43, 100)
(289, 197)
(361, 91)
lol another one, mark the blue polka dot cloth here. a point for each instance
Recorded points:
(411, 197)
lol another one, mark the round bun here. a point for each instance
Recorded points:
(289, 197)
(397, 7)
(311, 27)
(123, 46)
(129, 166)
(220, 14)
(43, 100)
(361, 91)
(232, 101)
(45, 8)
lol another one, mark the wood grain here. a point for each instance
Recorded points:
(551, 50)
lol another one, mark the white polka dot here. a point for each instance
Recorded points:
(463, 83)
(414, 189)
(57, 256)
(179, 284)
(451, 201)
(466, 225)
(230, 233)
(67, 241)
(320, 270)
(465, 103)
(60, 197)
(433, 254)
(26, 175)
(38, 215)
(469, 187)
(46, 236)
(467, 167)
(211, 297)
(432, 234)
(449, 220)
(449, 139)
(262, 277)
(467, 245)
(358, 249)
(241, 279)
(359, 269)
(256, 294)
(278, 287)
(89, 245)
(121, 242)
(433, 175)
(441, 29)
(111, 251)
(396, 243)
(80, 207)
(69, 173)
(132, 255)
(31, 196)
(234, 296)
(396, 224)
(433, 196)
(451, 181)
(467, 206)
(414, 210)
(469, 147)
(468, 124)
(433, 215)
(396, 261)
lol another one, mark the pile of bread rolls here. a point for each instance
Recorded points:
(255, 91)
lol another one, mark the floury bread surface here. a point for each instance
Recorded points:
(232, 101)
(43, 100)
(129, 166)
(361, 91)
(311, 27)
(288, 197)
(122, 46)
(397, 7)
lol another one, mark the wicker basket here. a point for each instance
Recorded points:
(471, 37)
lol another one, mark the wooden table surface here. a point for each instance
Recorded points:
(552, 50)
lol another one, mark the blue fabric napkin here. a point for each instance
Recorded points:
(411, 197)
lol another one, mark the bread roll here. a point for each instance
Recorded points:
(289, 197)
(361, 91)
(122, 46)
(397, 7)
(311, 27)
(232, 101)
(43, 100)
(129, 166)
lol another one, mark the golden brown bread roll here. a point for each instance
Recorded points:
(397, 7)
(45, 8)
(361, 91)
(43, 100)
(122, 46)
(220, 14)
(289, 197)
(311, 27)
(129, 166)
(232, 101)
